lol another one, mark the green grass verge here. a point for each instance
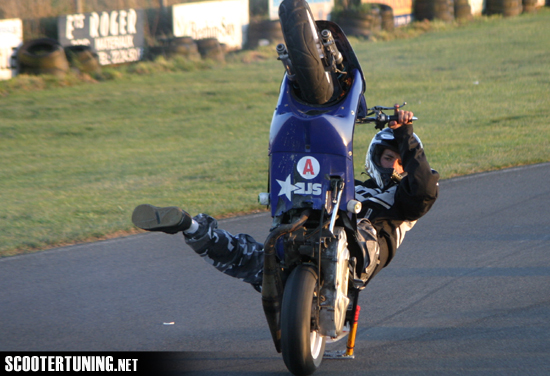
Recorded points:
(76, 160)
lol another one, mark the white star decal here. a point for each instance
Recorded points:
(286, 188)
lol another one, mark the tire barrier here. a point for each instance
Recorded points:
(184, 46)
(529, 6)
(42, 56)
(267, 30)
(423, 10)
(152, 52)
(434, 9)
(359, 25)
(508, 8)
(463, 10)
(83, 58)
(211, 49)
(388, 22)
(178, 46)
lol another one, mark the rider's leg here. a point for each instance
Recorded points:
(239, 256)
(375, 256)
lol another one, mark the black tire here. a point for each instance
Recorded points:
(42, 56)
(186, 47)
(358, 27)
(211, 49)
(444, 10)
(301, 356)
(83, 58)
(463, 10)
(387, 19)
(529, 6)
(300, 32)
(268, 30)
(508, 8)
(155, 51)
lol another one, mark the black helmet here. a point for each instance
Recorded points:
(381, 141)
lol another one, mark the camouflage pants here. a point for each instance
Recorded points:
(241, 256)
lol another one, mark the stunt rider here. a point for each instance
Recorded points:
(401, 189)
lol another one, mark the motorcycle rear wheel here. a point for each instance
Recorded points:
(301, 345)
(304, 45)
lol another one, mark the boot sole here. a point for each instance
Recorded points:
(153, 218)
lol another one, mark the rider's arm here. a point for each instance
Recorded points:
(418, 190)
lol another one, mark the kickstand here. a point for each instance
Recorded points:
(338, 354)
(348, 353)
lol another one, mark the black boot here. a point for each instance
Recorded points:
(169, 219)
(368, 242)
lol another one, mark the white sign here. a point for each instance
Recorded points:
(224, 20)
(477, 7)
(320, 8)
(117, 36)
(11, 37)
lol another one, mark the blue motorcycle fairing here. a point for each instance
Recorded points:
(292, 188)
(292, 114)
(322, 139)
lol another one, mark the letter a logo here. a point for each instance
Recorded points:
(308, 167)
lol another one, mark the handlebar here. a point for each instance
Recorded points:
(380, 118)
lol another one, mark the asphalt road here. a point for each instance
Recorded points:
(468, 294)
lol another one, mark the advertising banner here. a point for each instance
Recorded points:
(11, 37)
(117, 36)
(320, 8)
(224, 20)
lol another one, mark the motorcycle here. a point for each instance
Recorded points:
(312, 259)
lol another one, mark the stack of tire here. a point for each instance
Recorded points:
(42, 56)
(184, 46)
(211, 49)
(376, 17)
(434, 9)
(178, 46)
(264, 31)
(529, 6)
(423, 10)
(83, 58)
(508, 8)
(359, 25)
(388, 22)
(463, 10)
(152, 52)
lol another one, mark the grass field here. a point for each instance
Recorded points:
(77, 160)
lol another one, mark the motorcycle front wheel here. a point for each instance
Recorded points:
(301, 345)
(306, 51)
